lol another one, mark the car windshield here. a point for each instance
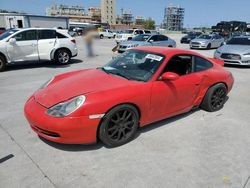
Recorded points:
(135, 65)
(141, 38)
(7, 33)
(205, 37)
(128, 31)
(239, 41)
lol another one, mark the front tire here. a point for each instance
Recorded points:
(209, 46)
(215, 98)
(101, 36)
(2, 63)
(119, 125)
(62, 56)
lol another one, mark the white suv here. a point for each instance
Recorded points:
(129, 34)
(36, 44)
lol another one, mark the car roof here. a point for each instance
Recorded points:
(165, 51)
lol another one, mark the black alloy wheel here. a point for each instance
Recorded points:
(119, 125)
(218, 98)
(215, 98)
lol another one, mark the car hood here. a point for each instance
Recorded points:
(69, 85)
(234, 49)
(128, 43)
(200, 40)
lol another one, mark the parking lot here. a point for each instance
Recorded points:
(194, 150)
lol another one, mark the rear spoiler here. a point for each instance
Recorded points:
(217, 61)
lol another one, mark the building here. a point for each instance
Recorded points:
(13, 20)
(173, 18)
(108, 11)
(139, 20)
(64, 10)
(95, 14)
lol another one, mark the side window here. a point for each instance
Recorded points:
(60, 36)
(26, 35)
(154, 38)
(179, 64)
(147, 31)
(202, 64)
(46, 34)
(162, 37)
(140, 31)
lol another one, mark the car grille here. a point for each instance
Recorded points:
(195, 43)
(230, 56)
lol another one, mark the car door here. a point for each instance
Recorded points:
(24, 48)
(164, 41)
(174, 97)
(46, 43)
(154, 40)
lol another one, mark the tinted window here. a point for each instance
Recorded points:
(180, 64)
(61, 36)
(141, 38)
(47, 34)
(239, 41)
(202, 64)
(26, 35)
(154, 38)
(162, 37)
(146, 31)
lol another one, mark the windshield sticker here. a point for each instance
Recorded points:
(154, 57)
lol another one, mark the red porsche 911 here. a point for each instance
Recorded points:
(141, 86)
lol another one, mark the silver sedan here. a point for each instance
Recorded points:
(206, 41)
(236, 51)
(147, 40)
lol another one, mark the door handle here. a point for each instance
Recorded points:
(51, 42)
(33, 45)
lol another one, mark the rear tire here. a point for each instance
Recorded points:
(215, 98)
(119, 125)
(2, 63)
(62, 56)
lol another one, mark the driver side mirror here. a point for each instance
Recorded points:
(12, 41)
(170, 76)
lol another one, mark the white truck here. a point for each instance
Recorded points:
(106, 34)
(129, 34)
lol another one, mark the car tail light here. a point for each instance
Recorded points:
(73, 40)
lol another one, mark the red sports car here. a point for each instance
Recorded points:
(141, 86)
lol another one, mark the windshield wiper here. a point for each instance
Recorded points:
(121, 75)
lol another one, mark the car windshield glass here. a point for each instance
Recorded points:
(7, 33)
(205, 37)
(239, 41)
(135, 65)
(128, 31)
(141, 38)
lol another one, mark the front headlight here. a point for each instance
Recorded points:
(66, 108)
(46, 83)
(247, 54)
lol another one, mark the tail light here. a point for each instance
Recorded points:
(73, 40)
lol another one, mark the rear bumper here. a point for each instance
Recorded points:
(68, 130)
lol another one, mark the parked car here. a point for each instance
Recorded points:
(106, 34)
(207, 41)
(141, 86)
(190, 36)
(36, 44)
(128, 35)
(147, 40)
(236, 51)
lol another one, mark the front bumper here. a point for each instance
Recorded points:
(242, 61)
(198, 46)
(67, 130)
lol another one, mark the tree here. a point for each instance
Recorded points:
(149, 24)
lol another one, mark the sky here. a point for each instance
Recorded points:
(197, 12)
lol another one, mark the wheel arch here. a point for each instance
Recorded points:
(126, 103)
(53, 53)
(4, 56)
